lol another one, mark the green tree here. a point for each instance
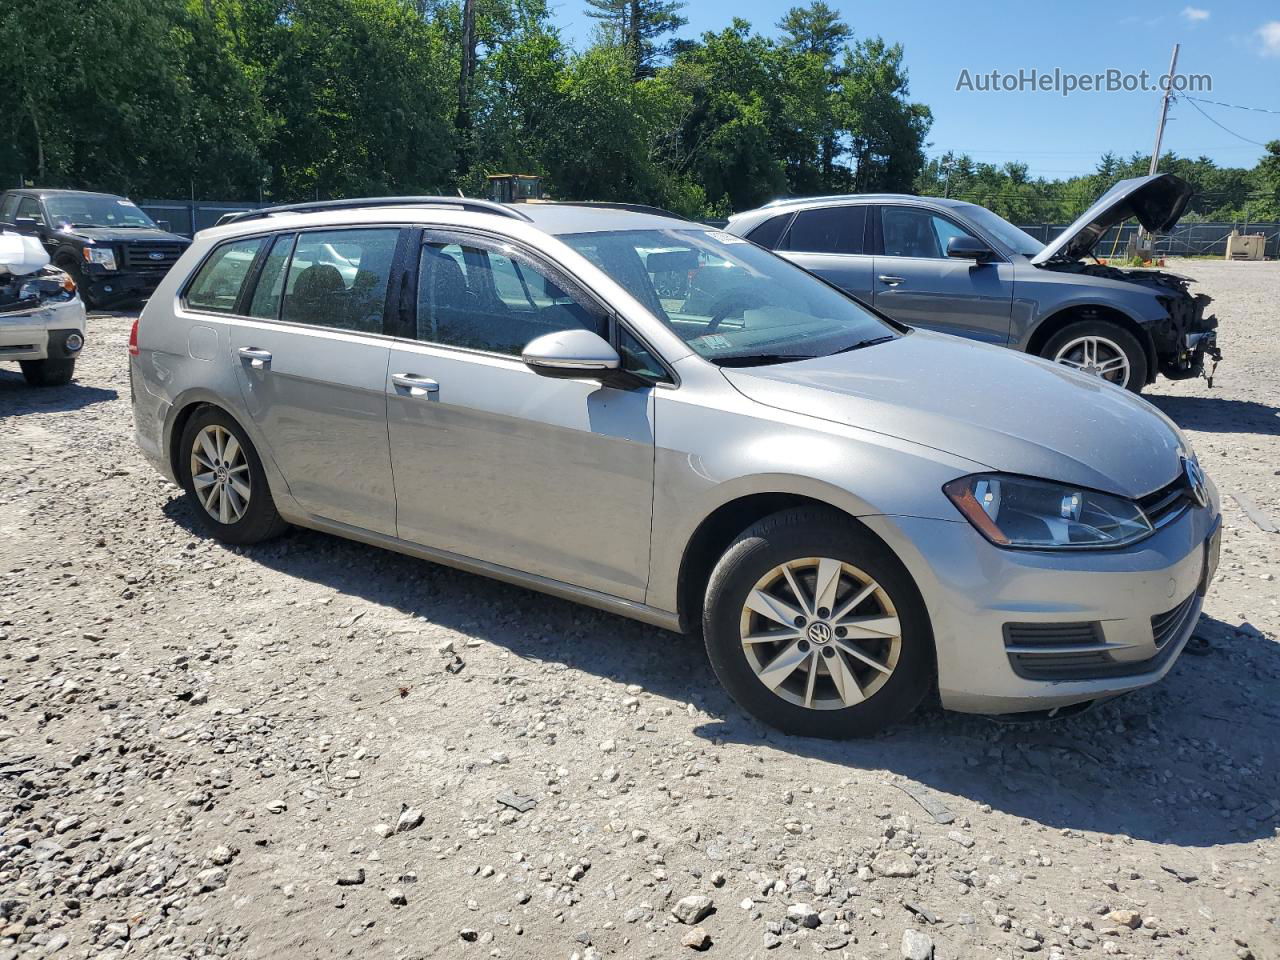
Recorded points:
(639, 26)
(886, 131)
(815, 29)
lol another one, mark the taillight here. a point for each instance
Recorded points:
(133, 339)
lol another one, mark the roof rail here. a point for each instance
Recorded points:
(610, 205)
(360, 203)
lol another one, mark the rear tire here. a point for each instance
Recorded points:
(789, 557)
(50, 372)
(1090, 345)
(223, 477)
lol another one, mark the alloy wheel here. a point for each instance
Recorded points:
(220, 474)
(1096, 356)
(820, 633)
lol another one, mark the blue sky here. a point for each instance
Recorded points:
(1237, 44)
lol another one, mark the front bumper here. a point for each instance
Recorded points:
(41, 333)
(1089, 625)
(121, 287)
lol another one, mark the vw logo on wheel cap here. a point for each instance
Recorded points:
(819, 632)
(1196, 484)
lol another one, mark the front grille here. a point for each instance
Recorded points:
(1168, 503)
(1166, 626)
(144, 256)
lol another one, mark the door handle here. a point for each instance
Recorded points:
(415, 385)
(258, 359)
(891, 281)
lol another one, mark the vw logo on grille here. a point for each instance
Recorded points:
(819, 632)
(155, 255)
(1195, 481)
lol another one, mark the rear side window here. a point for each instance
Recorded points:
(267, 294)
(9, 205)
(827, 230)
(218, 283)
(770, 232)
(338, 279)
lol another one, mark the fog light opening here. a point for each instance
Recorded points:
(74, 342)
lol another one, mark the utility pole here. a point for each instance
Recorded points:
(1164, 111)
(1164, 115)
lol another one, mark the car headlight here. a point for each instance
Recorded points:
(1042, 515)
(101, 255)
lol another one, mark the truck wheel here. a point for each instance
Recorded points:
(816, 628)
(223, 476)
(47, 373)
(1100, 348)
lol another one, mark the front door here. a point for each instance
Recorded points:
(495, 463)
(916, 283)
(312, 364)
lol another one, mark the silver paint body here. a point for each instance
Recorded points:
(1002, 301)
(593, 493)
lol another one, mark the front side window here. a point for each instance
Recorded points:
(218, 284)
(827, 230)
(492, 298)
(338, 279)
(915, 232)
(8, 207)
(29, 209)
(87, 210)
(728, 299)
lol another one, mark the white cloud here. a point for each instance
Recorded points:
(1194, 14)
(1269, 34)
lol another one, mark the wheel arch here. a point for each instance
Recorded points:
(719, 528)
(1060, 318)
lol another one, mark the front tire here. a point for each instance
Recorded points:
(1102, 349)
(72, 267)
(223, 477)
(50, 372)
(816, 628)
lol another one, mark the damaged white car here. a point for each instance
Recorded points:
(42, 319)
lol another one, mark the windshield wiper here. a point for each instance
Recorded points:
(869, 342)
(759, 359)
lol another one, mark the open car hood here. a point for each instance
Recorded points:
(1157, 202)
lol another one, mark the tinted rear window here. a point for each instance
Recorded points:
(827, 230)
(770, 232)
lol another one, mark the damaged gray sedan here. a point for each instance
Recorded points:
(958, 268)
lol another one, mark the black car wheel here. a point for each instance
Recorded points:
(815, 627)
(51, 372)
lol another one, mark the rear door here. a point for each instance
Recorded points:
(830, 241)
(311, 359)
(495, 463)
(918, 284)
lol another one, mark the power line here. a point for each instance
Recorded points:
(1233, 106)
(1238, 136)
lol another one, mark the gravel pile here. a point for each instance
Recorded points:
(316, 749)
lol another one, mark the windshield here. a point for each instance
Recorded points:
(88, 211)
(1018, 241)
(729, 299)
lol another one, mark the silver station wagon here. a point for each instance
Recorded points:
(666, 421)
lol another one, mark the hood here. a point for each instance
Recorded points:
(118, 235)
(1157, 202)
(21, 254)
(991, 405)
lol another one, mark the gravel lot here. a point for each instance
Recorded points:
(317, 749)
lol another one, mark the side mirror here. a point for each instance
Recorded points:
(571, 355)
(969, 248)
(26, 224)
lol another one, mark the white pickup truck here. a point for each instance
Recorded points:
(42, 319)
